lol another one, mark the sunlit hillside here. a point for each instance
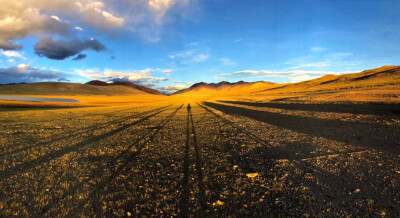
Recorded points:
(381, 84)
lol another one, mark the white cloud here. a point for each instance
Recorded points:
(200, 58)
(166, 72)
(160, 7)
(11, 60)
(317, 65)
(24, 18)
(227, 61)
(318, 49)
(56, 18)
(13, 54)
(189, 56)
(143, 77)
(173, 88)
(292, 75)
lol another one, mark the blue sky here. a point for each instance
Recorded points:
(170, 44)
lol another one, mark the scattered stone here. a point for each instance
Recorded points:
(251, 175)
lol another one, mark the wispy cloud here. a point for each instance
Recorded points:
(292, 75)
(143, 77)
(173, 88)
(318, 49)
(316, 65)
(13, 54)
(227, 62)
(200, 58)
(189, 56)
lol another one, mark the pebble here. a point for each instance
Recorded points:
(252, 175)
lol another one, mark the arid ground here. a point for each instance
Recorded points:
(212, 158)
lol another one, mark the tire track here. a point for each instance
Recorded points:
(23, 167)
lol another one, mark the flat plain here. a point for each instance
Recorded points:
(201, 158)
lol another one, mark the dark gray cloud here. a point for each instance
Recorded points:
(9, 45)
(59, 50)
(24, 73)
(79, 57)
(113, 58)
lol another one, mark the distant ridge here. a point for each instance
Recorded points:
(61, 88)
(125, 83)
(379, 77)
(386, 76)
(222, 86)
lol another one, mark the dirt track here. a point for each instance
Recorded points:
(209, 159)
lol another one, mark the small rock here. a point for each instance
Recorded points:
(356, 191)
(252, 175)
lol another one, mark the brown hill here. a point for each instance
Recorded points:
(387, 76)
(223, 87)
(59, 88)
(129, 84)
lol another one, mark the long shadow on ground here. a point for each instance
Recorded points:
(379, 137)
(373, 109)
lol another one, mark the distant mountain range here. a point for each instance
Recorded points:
(91, 88)
(223, 86)
(387, 77)
(129, 84)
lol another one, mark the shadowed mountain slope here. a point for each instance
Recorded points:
(59, 88)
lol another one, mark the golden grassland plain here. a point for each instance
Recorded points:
(292, 152)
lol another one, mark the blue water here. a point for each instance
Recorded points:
(34, 99)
